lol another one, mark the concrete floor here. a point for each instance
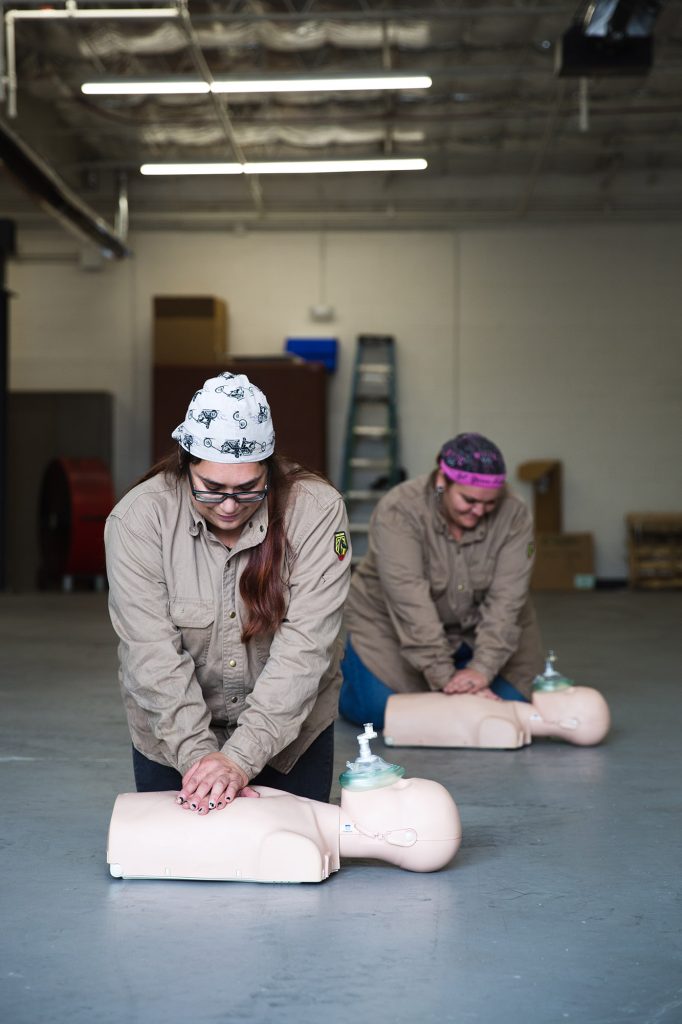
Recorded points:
(562, 905)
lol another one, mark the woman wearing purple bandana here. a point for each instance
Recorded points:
(440, 602)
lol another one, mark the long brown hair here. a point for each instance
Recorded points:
(261, 585)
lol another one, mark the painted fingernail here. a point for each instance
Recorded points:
(211, 803)
(193, 806)
(228, 799)
(220, 803)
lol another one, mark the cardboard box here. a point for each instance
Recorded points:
(545, 476)
(563, 561)
(189, 329)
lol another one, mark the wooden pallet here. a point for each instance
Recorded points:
(655, 550)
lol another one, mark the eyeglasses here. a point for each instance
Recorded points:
(218, 497)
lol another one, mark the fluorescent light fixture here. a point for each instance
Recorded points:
(96, 14)
(331, 84)
(178, 86)
(192, 168)
(291, 167)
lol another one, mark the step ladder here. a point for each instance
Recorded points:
(370, 462)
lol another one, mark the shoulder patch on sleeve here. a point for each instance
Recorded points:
(340, 544)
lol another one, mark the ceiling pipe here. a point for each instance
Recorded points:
(36, 177)
(70, 13)
(442, 216)
(84, 3)
(122, 220)
(220, 107)
(7, 249)
(343, 14)
(550, 128)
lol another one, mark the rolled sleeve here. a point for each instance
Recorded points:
(499, 629)
(303, 648)
(156, 673)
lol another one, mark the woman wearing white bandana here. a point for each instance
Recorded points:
(228, 568)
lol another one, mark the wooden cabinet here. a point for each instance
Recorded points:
(655, 550)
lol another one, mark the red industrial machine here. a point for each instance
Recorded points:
(76, 497)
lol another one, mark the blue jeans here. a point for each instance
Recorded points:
(363, 695)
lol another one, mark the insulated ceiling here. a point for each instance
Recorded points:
(505, 138)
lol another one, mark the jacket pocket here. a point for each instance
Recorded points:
(480, 584)
(438, 585)
(195, 621)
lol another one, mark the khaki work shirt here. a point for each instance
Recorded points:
(418, 593)
(189, 685)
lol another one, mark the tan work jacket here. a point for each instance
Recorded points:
(189, 685)
(419, 593)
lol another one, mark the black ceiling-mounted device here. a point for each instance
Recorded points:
(609, 37)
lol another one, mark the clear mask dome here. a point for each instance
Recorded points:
(368, 770)
(550, 679)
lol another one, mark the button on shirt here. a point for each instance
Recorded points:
(189, 685)
(419, 593)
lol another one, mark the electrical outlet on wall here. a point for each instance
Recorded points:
(321, 313)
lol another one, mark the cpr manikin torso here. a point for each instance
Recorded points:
(560, 710)
(412, 823)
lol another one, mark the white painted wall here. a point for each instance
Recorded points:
(571, 349)
(557, 341)
(398, 284)
(72, 330)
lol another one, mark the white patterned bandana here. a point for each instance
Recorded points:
(228, 420)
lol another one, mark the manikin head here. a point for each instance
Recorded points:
(578, 715)
(413, 823)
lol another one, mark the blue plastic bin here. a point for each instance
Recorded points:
(314, 350)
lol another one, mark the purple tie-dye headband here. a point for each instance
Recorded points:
(472, 460)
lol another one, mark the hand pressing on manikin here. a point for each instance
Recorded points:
(212, 783)
(468, 680)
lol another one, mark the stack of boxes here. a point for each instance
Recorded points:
(563, 561)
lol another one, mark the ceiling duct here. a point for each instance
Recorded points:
(313, 35)
(609, 37)
(49, 191)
